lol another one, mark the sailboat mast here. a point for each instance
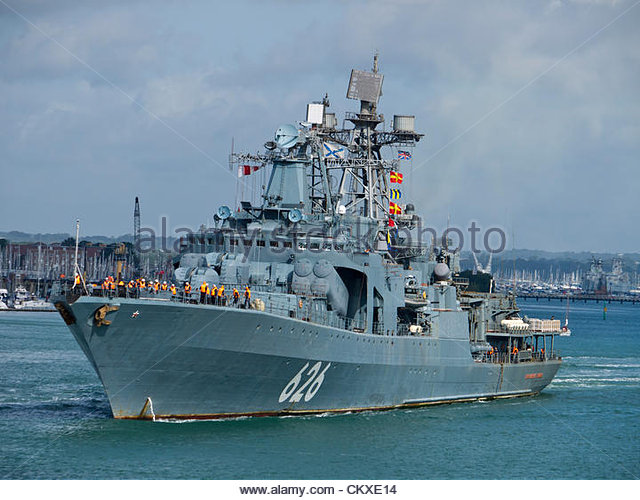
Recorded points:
(76, 271)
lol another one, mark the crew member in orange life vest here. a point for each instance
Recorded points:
(204, 291)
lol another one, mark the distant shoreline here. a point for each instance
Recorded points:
(29, 310)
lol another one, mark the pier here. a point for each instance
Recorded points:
(579, 298)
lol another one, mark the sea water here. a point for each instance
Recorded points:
(55, 421)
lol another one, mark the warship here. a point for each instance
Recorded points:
(343, 307)
(616, 282)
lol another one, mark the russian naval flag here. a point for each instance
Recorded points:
(332, 151)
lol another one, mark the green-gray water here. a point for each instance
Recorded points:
(55, 421)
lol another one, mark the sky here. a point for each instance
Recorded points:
(530, 109)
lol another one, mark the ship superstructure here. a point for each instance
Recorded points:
(598, 281)
(343, 307)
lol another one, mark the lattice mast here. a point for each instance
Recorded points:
(352, 179)
(363, 174)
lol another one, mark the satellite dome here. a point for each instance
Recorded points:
(295, 215)
(303, 267)
(287, 136)
(441, 272)
(224, 212)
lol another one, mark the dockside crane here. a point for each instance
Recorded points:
(136, 239)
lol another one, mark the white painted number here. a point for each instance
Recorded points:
(312, 384)
(297, 396)
(313, 388)
(291, 386)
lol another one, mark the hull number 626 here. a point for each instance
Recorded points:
(296, 389)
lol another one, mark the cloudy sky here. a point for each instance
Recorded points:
(531, 109)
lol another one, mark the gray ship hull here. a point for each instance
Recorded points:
(173, 360)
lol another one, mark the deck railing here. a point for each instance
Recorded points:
(304, 313)
(505, 357)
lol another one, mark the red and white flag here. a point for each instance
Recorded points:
(247, 169)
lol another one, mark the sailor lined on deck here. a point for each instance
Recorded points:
(221, 297)
(173, 289)
(247, 296)
(214, 294)
(236, 296)
(187, 289)
(204, 292)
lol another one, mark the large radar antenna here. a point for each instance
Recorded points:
(366, 87)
